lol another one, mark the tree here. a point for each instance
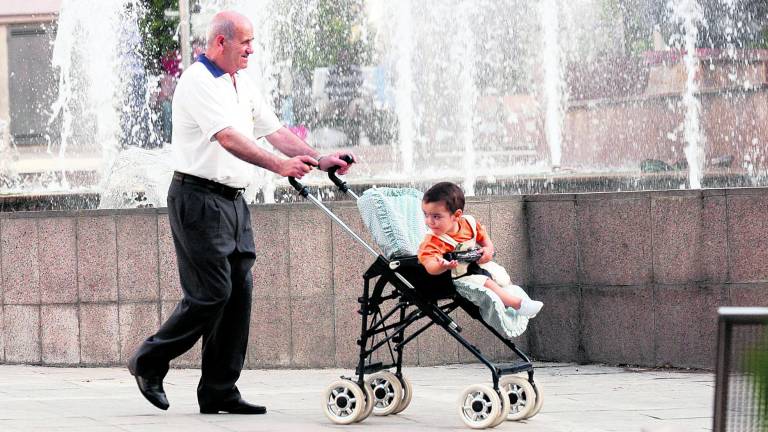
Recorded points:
(158, 32)
(743, 25)
(333, 33)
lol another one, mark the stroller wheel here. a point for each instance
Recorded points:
(539, 401)
(387, 392)
(343, 402)
(407, 395)
(504, 411)
(479, 406)
(521, 395)
(368, 403)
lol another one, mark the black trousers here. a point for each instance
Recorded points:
(215, 252)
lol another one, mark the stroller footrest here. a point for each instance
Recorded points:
(513, 368)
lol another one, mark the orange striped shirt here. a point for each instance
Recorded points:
(432, 246)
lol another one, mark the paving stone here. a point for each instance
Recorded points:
(21, 325)
(312, 332)
(99, 334)
(97, 259)
(57, 252)
(137, 257)
(106, 399)
(60, 332)
(21, 273)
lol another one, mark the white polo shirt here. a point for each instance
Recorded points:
(204, 103)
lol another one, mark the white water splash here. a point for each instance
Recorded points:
(82, 20)
(553, 79)
(689, 14)
(102, 84)
(403, 46)
(464, 55)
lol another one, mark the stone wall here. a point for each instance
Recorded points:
(636, 278)
(627, 278)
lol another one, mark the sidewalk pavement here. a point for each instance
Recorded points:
(588, 398)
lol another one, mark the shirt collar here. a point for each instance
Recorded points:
(211, 66)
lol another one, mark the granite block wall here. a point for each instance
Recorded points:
(636, 278)
(627, 278)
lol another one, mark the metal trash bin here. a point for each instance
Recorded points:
(741, 376)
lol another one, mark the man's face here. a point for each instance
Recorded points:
(237, 50)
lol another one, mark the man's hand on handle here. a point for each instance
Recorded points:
(297, 166)
(331, 160)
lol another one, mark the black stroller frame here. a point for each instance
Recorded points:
(378, 330)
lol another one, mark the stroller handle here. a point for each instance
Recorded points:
(341, 184)
(304, 192)
(298, 186)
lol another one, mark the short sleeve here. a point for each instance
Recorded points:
(430, 248)
(206, 108)
(265, 121)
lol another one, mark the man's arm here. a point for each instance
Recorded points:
(291, 145)
(247, 150)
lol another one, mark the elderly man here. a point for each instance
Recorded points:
(217, 115)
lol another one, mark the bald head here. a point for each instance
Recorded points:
(225, 23)
(230, 35)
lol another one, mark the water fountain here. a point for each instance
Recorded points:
(548, 11)
(490, 94)
(480, 90)
(405, 112)
(689, 14)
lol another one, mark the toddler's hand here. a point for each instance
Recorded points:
(487, 255)
(447, 265)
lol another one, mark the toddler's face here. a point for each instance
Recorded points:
(438, 218)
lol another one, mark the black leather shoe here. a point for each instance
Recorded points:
(235, 407)
(152, 389)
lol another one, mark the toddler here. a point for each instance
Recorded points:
(452, 230)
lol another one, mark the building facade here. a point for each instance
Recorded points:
(28, 81)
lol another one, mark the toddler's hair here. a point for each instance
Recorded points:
(447, 192)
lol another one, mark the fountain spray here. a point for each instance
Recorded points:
(553, 82)
(689, 14)
(403, 95)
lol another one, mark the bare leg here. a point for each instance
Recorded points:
(508, 299)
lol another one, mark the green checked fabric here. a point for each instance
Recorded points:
(394, 218)
(505, 320)
(396, 222)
